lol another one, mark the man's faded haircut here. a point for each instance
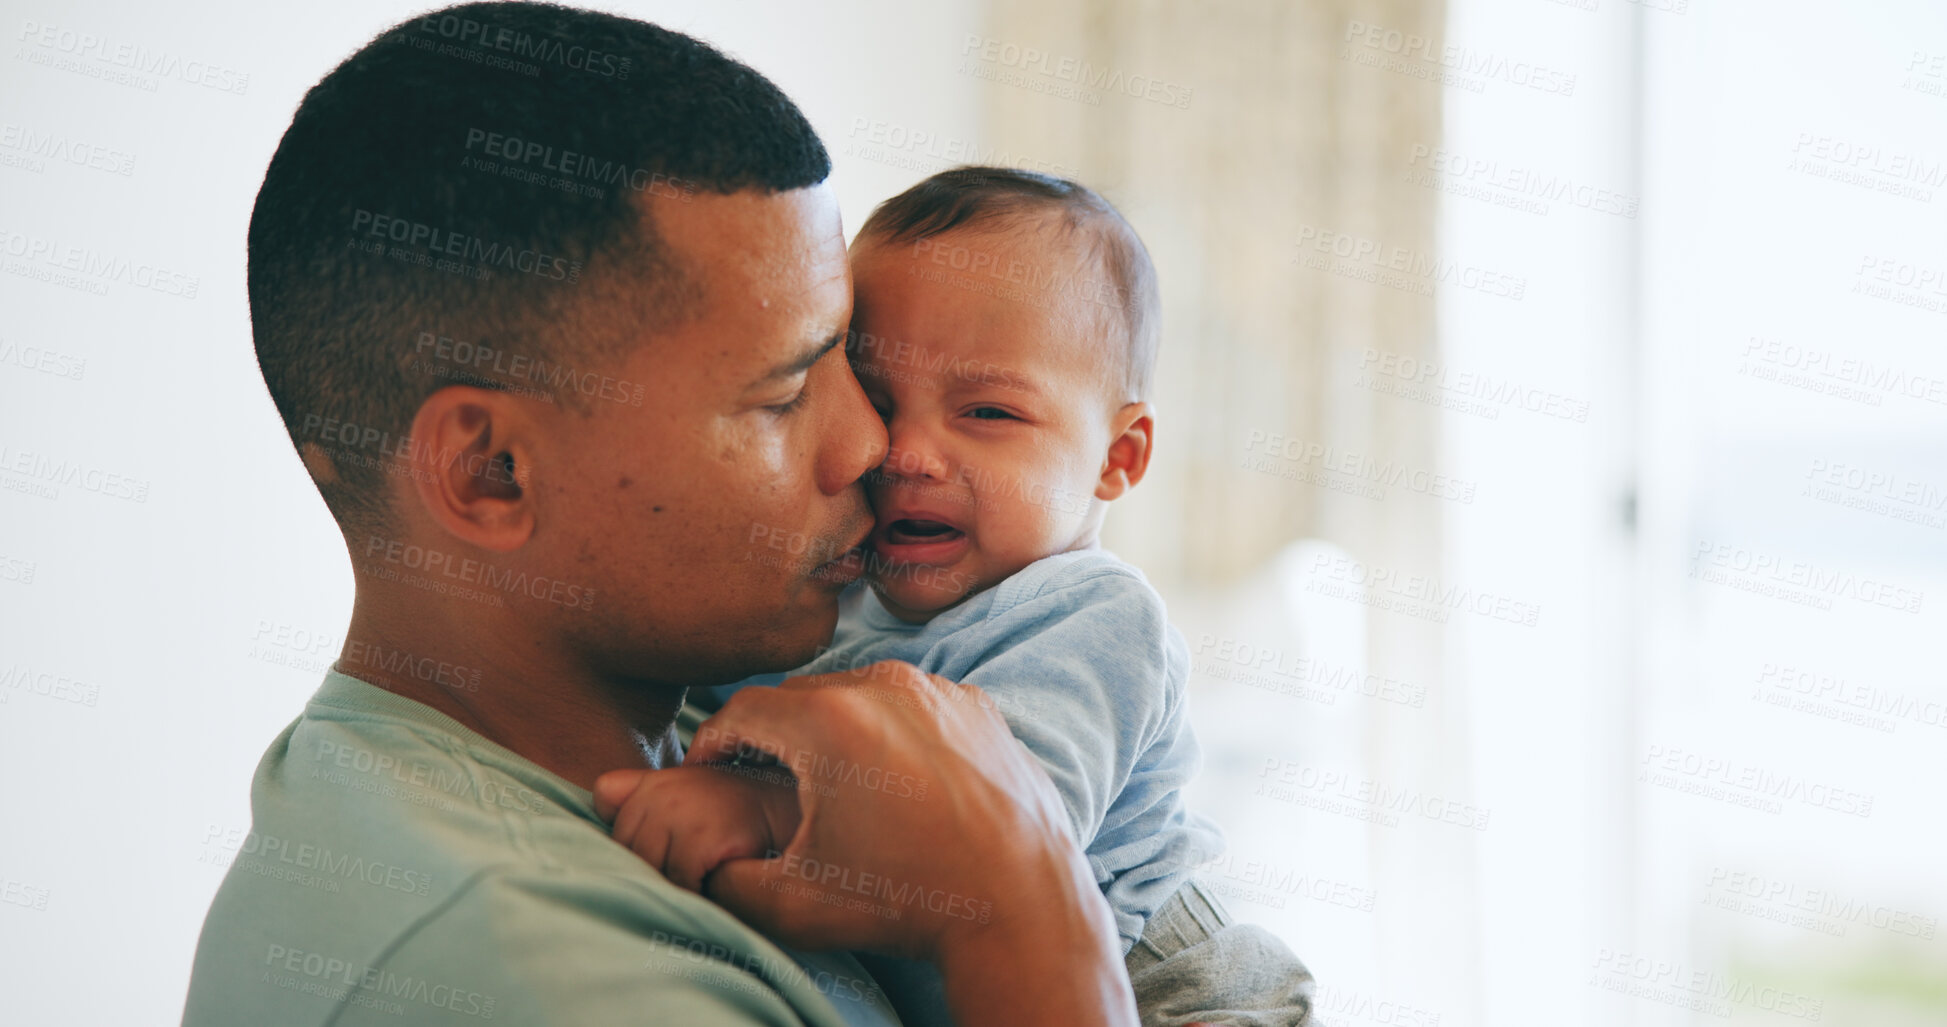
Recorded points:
(484, 174)
(997, 198)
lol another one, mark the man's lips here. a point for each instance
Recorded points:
(848, 565)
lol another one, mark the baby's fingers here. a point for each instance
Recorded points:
(614, 788)
(646, 836)
(695, 856)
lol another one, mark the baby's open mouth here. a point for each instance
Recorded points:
(907, 531)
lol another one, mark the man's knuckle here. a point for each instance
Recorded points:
(830, 709)
(898, 674)
(739, 704)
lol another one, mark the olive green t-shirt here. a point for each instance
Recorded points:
(401, 869)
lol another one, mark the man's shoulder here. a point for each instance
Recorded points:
(391, 866)
(392, 786)
(515, 943)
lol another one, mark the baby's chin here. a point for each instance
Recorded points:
(917, 592)
(898, 589)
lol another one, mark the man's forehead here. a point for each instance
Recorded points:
(789, 237)
(766, 271)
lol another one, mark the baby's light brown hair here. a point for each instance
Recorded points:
(994, 197)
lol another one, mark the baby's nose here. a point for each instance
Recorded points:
(907, 462)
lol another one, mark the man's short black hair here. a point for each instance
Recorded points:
(976, 197)
(449, 201)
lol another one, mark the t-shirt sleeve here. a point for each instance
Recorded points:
(527, 949)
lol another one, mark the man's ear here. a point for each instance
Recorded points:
(1133, 430)
(471, 466)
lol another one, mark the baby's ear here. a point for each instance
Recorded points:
(1132, 432)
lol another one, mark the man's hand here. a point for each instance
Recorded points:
(927, 831)
(687, 821)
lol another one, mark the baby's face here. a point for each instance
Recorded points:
(995, 390)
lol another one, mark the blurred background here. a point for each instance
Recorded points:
(1551, 483)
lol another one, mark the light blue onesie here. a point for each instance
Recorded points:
(1077, 654)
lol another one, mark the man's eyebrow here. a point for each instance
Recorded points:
(804, 360)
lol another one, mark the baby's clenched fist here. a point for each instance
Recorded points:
(687, 821)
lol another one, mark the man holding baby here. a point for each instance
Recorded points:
(589, 553)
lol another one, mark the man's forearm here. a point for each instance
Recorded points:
(1053, 959)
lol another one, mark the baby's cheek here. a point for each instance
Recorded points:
(1014, 537)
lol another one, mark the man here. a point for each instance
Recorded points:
(549, 302)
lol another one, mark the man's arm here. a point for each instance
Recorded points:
(928, 832)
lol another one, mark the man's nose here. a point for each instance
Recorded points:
(855, 437)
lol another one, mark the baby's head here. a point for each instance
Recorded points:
(1005, 325)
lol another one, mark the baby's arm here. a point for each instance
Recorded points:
(1082, 674)
(1095, 695)
(687, 821)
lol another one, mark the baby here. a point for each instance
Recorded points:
(1005, 326)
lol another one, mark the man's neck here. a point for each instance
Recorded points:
(506, 686)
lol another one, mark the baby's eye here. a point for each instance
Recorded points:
(991, 414)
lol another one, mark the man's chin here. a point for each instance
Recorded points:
(804, 631)
(783, 647)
